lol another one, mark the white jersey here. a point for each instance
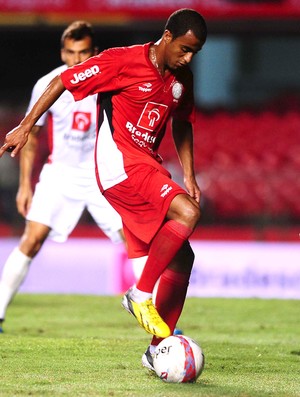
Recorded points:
(67, 183)
(72, 125)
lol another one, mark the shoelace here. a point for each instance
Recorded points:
(155, 317)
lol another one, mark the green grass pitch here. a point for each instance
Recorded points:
(72, 345)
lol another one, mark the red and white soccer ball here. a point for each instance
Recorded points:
(178, 359)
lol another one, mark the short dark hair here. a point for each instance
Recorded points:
(78, 30)
(185, 19)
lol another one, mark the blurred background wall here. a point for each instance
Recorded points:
(247, 86)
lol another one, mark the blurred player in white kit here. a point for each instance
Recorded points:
(67, 183)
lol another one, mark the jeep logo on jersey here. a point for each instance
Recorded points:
(152, 115)
(81, 121)
(85, 75)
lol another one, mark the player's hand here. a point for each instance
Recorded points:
(192, 188)
(14, 140)
(23, 200)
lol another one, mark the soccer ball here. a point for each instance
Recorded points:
(178, 359)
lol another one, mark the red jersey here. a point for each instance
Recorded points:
(135, 105)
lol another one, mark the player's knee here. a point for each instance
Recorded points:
(197, 213)
(192, 214)
(31, 244)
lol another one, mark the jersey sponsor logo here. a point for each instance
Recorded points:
(81, 121)
(152, 115)
(86, 74)
(137, 135)
(165, 190)
(146, 87)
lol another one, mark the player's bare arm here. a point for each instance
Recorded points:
(17, 138)
(183, 138)
(27, 157)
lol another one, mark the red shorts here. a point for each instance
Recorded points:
(143, 200)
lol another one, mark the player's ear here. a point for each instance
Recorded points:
(167, 37)
(96, 50)
(63, 55)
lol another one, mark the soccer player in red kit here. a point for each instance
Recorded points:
(141, 87)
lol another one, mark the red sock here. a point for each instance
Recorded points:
(170, 298)
(164, 247)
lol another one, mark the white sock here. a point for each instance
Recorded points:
(14, 272)
(139, 296)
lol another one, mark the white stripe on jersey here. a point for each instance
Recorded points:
(109, 158)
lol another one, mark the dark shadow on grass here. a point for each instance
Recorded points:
(295, 352)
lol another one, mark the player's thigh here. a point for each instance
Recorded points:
(143, 200)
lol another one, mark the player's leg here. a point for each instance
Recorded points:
(171, 294)
(108, 219)
(138, 266)
(183, 216)
(17, 264)
(110, 222)
(162, 220)
(138, 305)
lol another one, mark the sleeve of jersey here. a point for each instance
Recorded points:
(186, 109)
(96, 74)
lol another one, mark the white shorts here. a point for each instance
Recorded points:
(60, 197)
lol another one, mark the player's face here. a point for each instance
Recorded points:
(180, 52)
(77, 51)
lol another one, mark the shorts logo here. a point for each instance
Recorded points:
(165, 190)
(81, 121)
(152, 115)
(86, 74)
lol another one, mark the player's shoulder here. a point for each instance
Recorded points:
(126, 52)
(45, 80)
